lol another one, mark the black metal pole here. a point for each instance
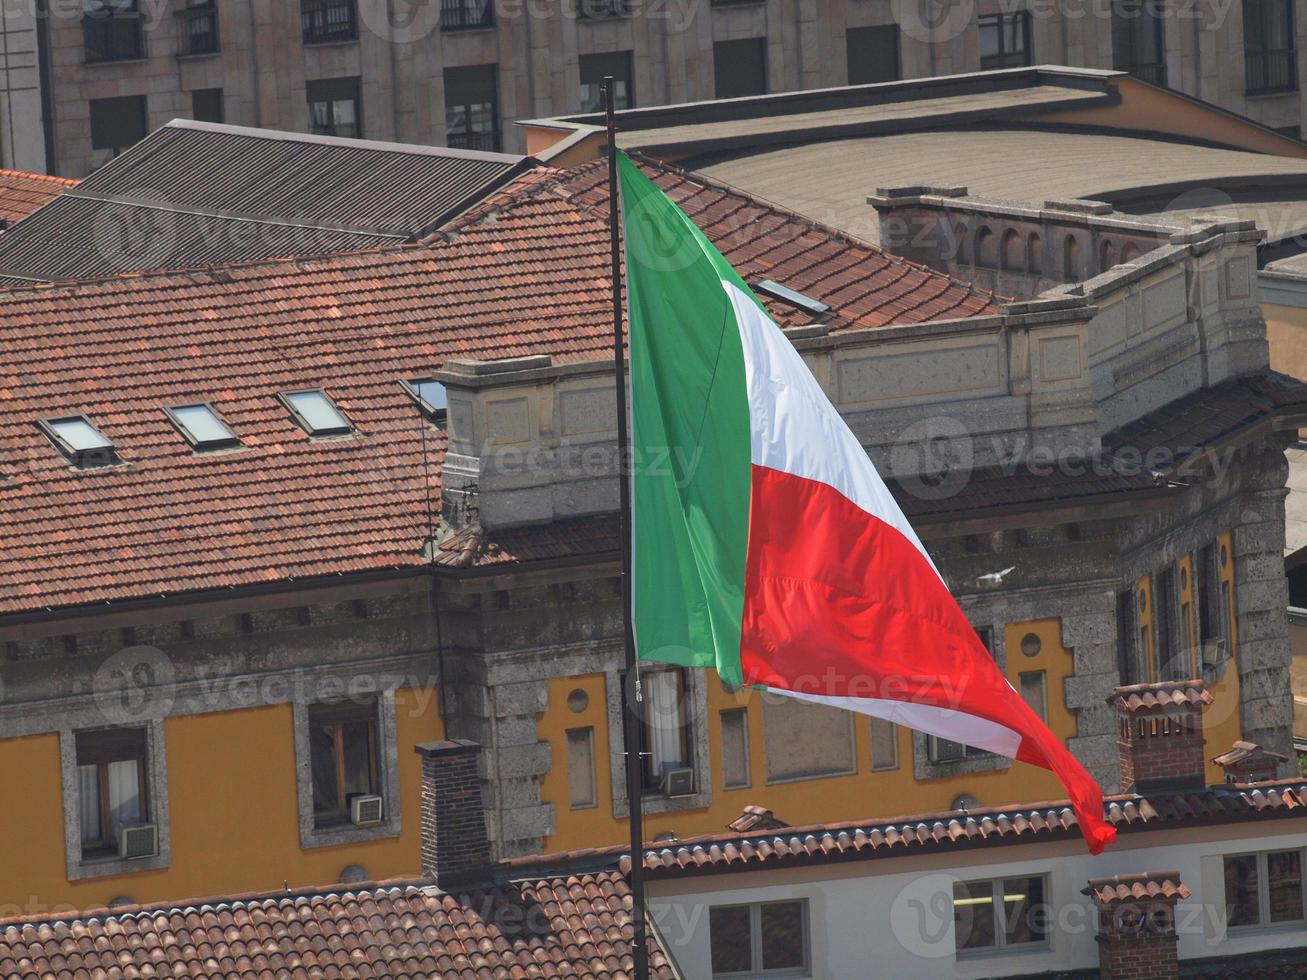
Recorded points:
(632, 716)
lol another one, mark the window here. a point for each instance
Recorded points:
(325, 21)
(112, 788)
(206, 105)
(1268, 43)
(735, 749)
(1033, 692)
(884, 745)
(1263, 889)
(581, 768)
(202, 427)
(117, 123)
(803, 740)
(666, 721)
(593, 69)
(1211, 615)
(1127, 664)
(430, 396)
(601, 9)
(873, 54)
(740, 67)
(316, 413)
(198, 23)
(344, 759)
(999, 914)
(766, 939)
(1005, 40)
(111, 30)
(335, 107)
(77, 438)
(1137, 40)
(472, 108)
(945, 750)
(461, 15)
(1172, 663)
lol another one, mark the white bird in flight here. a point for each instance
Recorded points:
(996, 578)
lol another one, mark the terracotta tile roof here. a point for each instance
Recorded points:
(991, 826)
(571, 926)
(1162, 695)
(21, 192)
(1133, 888)
(1243, 751)
(755, 818)
(525, 274)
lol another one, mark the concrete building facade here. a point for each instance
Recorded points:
(460, 72)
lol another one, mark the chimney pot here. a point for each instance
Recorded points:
(1160, 735)
(1248, 762)
(455, 846)
(1136, 924)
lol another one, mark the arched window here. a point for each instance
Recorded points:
(1106, 255)
(985, 251)
(1129, 252)
(1035, 254)
(1014, 259)
(959, 244)
(1071, 259)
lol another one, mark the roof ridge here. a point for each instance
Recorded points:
(521, 188)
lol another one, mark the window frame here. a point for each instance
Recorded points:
(332, 92)
(968, 752)
(651, 782)
(587, 734)
(462, 15)
(463, 79)
(755, 941)
(742, 714)
(1265, 14)
(187, 15)
(92, 458)
(220, 104)
(1008, 58)
(338, 716)
(316, 34)
(1123, 29)
(1001, 945)
(626, 76)
(141, 109)
(137, 33)
(106, 846)
(868, 31)
(1264, 923)
(285, 396)
(202, 445)
(732, 47)
(434, 415)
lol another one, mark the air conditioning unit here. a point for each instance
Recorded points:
(678, 782)
(1213, 651)
(365, 811)
(140, 841)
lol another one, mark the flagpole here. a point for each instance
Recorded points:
(632, 717)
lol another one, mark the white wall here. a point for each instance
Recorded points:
(893, 917)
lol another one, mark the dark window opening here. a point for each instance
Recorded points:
(873, 54)
(1005, 41)
(1270, 51)
(594, 67)
(472, 108)
(335, 107)
(207, 105)
(111, 30)
(767, 939)
(946, 750)
(601, 9)
(117, 123)
(462, 15)
(666, 724)
(999, 913)
(740, 67)
(344, 759)
(1138, 40)
(1127, 664)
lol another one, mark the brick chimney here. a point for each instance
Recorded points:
(1136, 925)
(1160, 735)
(455, 847)
(1248, 762)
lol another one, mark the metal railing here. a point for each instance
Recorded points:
(1270, 71)
(1154, 74)
(462, 15)
(199, 29)
(325, 21)
(474, 140)
(602, 9)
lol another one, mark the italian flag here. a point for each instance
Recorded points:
(766, 546)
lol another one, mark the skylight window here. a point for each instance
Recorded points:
(77, 438)
(430, 396)
(316, 413)
(202, 427)
(793, 297)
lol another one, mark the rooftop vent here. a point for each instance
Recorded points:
(316, 413)
(201, 426)
(794, 298)
(77, 438)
